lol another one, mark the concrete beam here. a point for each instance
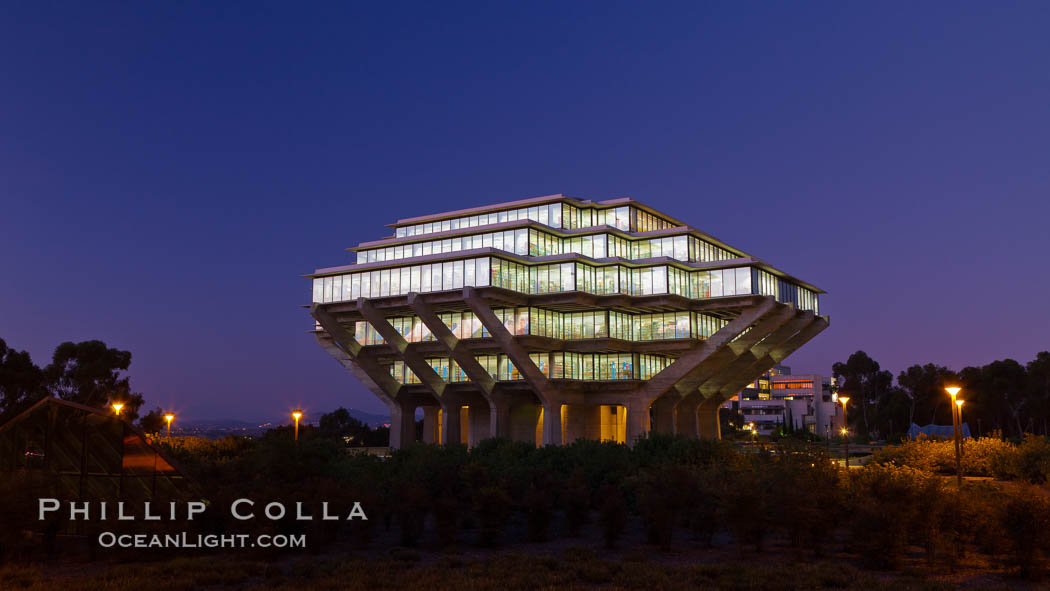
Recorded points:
(362, 365)
(397, 343)
(680, 369)
(517, 354)
(790, 328)
(459, 352)
(769, 323)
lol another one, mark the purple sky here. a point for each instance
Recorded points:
(167, 174)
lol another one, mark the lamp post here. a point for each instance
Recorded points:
(962, 446)
(953, 391)
(845, 425)
(116, 408)
(845, 435)
(169, 417)
(297, 414)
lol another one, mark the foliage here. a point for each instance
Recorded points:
(1004, 396)
(505, 572)
(88, 373)
(985, 456)
(153, 421)
(21, 382)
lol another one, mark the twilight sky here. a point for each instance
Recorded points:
(168, 173)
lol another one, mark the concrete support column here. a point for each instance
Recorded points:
(431, 432)
(686, 416)
(552, 423)
(451, 426)
(637, 421)
(707, 419)
(402, 424)
(499, 419)
(480, 420)
(664, 415)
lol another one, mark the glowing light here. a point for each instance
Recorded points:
(297, 414)
(959, 403)
(952, 390)
(116, 407)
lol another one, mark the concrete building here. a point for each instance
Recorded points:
(804, 401)
(554, 318)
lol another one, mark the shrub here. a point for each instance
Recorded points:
(612, 513)
(577, 499)
(493, 509)
(704, 511)
(1024, 521)
(749, 500)
(883, 502)
(539, 505)
(1032, 461)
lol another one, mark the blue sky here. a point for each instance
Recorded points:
(169, 171)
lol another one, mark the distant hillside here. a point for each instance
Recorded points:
(372, 420)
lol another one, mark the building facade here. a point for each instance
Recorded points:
(554, 318)
(806, 402)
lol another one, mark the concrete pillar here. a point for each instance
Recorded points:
(431, 424)
(664, 415)
(707, 418)
(451, 427)
(499, 419)
(552, 423)
(524, 423)
(402, 424)
(637, 421)
(686, 417)
(480, 421)
(581, 421)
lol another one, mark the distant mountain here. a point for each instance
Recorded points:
(372, 420)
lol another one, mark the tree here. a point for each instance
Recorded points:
(21, 382)
(338, 424)
(1001, 391)
(153, 421)
(861, 378)
(90, 373)
(923, 386)
(1039, 387)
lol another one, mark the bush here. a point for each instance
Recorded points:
(1024, 521)
(577, 499)
(883, 503)
(985, 456)
(612, 513)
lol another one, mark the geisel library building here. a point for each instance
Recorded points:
(552, 319)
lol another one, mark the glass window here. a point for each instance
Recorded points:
(457, 274)
(743, 280)
(427, 278)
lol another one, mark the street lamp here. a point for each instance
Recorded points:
(116, 407)
(953, 391)
(844, 400)
(958, 404)
(845, 435)
(297, 414)
(169, 417)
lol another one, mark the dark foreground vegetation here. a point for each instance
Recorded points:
(572, 568)
(666, 496)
